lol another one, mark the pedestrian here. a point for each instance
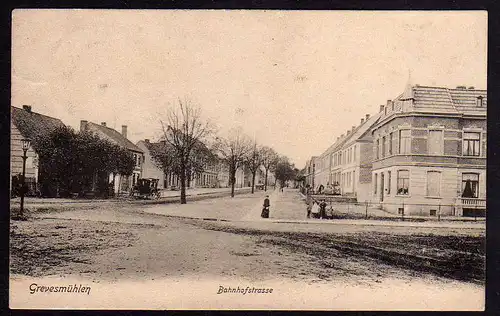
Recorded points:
(309, 205)
(265, 209)
(322, 209)
(315, 210)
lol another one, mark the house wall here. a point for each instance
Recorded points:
(16, 160)
(149, 168)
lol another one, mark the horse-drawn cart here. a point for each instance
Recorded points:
(146, 189)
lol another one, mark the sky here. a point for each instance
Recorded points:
(293, 80)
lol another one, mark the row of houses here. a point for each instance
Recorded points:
(25, 123)
(423, 153)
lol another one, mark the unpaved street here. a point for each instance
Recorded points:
(136, 245)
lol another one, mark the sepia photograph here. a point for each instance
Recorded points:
(248, 160)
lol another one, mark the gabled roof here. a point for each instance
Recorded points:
(112, 135)
(34, 125)
(434, 99)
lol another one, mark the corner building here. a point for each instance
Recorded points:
(429, 150)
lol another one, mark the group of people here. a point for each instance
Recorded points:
(331, 189)
(319, 209)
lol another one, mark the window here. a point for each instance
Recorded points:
(404, 141)
(433, 183)
(403, 182)
(435, 142)
(354, 152)
(383, 147)
(389, 150)
(139, 160)
(340, 157)
(471, 142)
(375, 184)
(470, 185)
(479, 101)
(377, 149)
(388, 182)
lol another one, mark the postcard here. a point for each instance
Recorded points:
(248, 159)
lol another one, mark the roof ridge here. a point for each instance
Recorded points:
(31, 112)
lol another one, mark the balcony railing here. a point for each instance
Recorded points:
(473, 202)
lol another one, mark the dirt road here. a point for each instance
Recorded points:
(123, 246)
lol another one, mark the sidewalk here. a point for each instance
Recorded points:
(33, 201)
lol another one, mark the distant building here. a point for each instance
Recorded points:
(429, 150)
(347, 164)
(151, 170)
(214, 174)
(310, 171)
(27, 124)
(122, 183)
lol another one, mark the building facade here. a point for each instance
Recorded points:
(429, 150)
(310, 171)
(150, 169)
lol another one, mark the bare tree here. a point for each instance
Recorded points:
(183, 129)
(233, 150)
(253, 161)
(269, 159)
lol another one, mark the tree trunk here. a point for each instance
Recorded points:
(183, 183)
(232, 178)
(253, 180)
(265, 182)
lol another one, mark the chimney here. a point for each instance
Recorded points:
(27, 108)
(471, 88)
(353, 128)
(381, 108)
(362, 121)
(367, 116)
(147, 141)
(389, 104)
(338, 138)
(124, 131)
(461, 87)
(342, 136)
(83, 125)
(103, 123)
(348, 131)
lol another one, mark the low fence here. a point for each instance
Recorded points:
(339, 208)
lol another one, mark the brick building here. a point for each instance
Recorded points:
(429, 150)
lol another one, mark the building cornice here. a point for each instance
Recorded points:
(395, 115)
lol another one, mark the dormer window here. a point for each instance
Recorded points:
(479, 101)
